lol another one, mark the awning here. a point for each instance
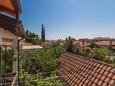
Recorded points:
(10, 6)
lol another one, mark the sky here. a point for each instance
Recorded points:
(75, 18)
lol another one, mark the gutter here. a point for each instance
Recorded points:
(18, 48)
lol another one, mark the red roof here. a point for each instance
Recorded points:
(25, 44)
(80, 71)
(113, 43)
(102, 39)
(105, 43)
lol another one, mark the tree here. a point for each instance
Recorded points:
(69, 45)
(43, 33)
(93, 45)
(32, 38)
(101, 53)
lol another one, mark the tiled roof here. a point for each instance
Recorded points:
(25, 44)
(105, 43)
(102, 39)
(80, 71)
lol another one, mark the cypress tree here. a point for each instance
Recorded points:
(43, 33)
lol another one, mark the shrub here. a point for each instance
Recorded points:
(101, 53)
(78, 50)
(47, 58)
(7, 60)
(93, 45)
(69, 47)
(40, 80)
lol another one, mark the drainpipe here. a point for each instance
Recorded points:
(0, 64)
(18, 48)
(5, 63)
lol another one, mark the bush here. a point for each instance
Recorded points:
(98, 53)
(101, 53)
(93, 45)
(39, 80)
(69, 47)
(47, 58)
(7, 60)
(78, 50)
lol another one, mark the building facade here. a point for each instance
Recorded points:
(11, 31)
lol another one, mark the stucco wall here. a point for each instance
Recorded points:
(6, 34)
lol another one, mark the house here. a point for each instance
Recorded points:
(23, 43)
(101, 41)
(11, 30)
(82, 42)
(105, 43)
(27, 46)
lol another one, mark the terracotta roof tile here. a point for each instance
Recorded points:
(80, 71)
(25, 44)
(105, 43)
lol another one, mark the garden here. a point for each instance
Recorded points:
(38, 67)
(93, 51)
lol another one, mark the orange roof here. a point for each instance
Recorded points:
(25, 44)
(113, 42)
(80, 71)
(10, 6)
(102, 39)
(105, 43)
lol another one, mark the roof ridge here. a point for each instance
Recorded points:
(102, 62)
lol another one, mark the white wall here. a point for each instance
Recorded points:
(6, 34)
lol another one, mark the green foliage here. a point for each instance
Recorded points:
(32, 38)
(69, 45)
(47, 58)
(93, 45)
(40, 80)
(93, 51)
(101, 53)
(78, 50)
(98, 53)
(7, 59)
(86, 52)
